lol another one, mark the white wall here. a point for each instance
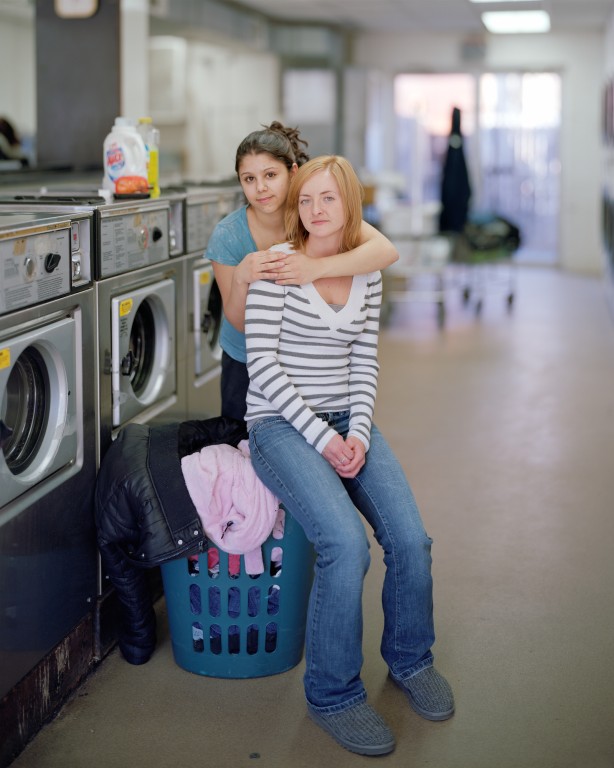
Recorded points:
(205, 99)
(579, 59)
(17, 65)
(609, 47)
(134, 70)
(229, 94)
(608, 76)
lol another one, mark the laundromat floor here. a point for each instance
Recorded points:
(505, 426)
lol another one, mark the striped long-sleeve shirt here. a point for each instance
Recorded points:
(303, 357)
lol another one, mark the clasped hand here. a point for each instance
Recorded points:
(284, 268)
(346, 457)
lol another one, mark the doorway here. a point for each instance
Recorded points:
(511, 136)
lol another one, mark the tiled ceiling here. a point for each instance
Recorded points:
(430, 15)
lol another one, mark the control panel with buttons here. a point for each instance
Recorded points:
(35, 265)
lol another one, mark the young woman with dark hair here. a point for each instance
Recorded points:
(239, 247)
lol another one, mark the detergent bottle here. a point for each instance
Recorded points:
(151, 137)
(125, 160)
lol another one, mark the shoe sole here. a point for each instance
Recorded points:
(433, 716)
(359, 749)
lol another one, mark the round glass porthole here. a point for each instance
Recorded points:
(149, 349)
(142, 347)
(25, 410)
(214, 310)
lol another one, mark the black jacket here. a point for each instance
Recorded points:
(455, 184)
(144, 515)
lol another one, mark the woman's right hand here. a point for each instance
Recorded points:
(259, 265)
(338, 453)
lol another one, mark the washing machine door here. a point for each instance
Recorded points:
(143, 351)
(41, 426)
(207, 319)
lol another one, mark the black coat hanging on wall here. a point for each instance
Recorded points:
(455, 185)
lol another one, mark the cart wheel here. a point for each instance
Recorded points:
(466, 294)
(441, 314)
(510, 302)
(478, 307)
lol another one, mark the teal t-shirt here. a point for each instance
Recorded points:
(230, 242)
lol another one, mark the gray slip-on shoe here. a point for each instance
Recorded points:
(359, 729)
(429, 694)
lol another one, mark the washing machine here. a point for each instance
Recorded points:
(204, 360)
(138, 294)
(200, 312)
(203, 364)
(137, 287)
(176, 195)
(48, 557)
(227, 190)
(203, 210)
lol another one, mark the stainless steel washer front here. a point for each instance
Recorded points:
(48, 559)
(41, 430)
(142, 348)
(137, 349)
(205, 353)
(40, 379)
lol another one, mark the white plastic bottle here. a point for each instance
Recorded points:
(151, 137)
(124, 160)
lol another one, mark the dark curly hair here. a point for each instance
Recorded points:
(278, 140)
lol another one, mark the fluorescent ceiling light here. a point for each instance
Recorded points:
(516, 22)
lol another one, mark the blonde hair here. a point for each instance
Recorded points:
(351, 192)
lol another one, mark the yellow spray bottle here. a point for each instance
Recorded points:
(151, 137)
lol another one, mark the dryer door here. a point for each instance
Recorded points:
(143, 351)
(207, 319)
(41, 427)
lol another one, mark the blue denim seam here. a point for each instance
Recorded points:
(428, 660)
(396, 572)
(339, 707)
(418, 667)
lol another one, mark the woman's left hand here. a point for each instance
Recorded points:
(298, 269)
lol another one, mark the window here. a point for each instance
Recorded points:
(511, 129)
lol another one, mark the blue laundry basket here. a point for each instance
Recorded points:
(226, 623)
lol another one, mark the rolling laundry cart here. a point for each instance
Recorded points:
(420, 274)
(485, 258)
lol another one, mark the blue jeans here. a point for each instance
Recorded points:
(325, 506)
